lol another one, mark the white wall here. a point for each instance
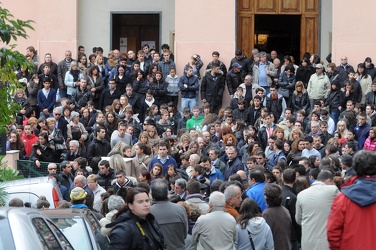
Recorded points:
(94, 19)
(325, 29)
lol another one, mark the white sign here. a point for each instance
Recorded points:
(123, 45)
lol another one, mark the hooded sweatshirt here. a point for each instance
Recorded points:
(261, 235)
(352, 220)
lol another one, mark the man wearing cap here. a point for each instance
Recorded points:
(239, 58)
(318, 85)
(78, 198)
(234, 78)
(46, 98)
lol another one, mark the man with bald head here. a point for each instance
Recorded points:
(344, 69)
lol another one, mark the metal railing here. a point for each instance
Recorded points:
(29, 169)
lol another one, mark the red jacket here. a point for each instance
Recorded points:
(29, 141)
(352, 220)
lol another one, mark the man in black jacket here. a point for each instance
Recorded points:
(212, 88)
(98, 146)
(61, 123)
(133, 98)
(109, 95)
(106, 174)
(289, 201)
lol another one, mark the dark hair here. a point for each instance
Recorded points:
(146, 174)
(273, 195)
(146, 149)
(364, 163)
(193, 186)
(258, 175)
(324, 175)
(300, 169)
(314, 173)
(133, 192)
(289, 176)
(104, 163)
(215, 185)
(159, 189)
(248, 210)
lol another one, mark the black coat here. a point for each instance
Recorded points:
(300, 102)
(134, 101)
(212, 88)
(105, 180)
(335, 99)
(125, 233)
(304, 73)
(159, 91)
(98, 148)
(289, 201)
(107, 98)
(253, 115)
(140, 87)
(233, 81)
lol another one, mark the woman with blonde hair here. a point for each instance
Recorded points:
(342, 129)
(123, 105)
(119, 147)
(141, 160)
(142, 138)
(295, 134)
(194, 148)
(279, 133)
(300, 98)
(153, 137)
(117, 163)
(185, 140)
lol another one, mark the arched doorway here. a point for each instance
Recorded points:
(263, 22)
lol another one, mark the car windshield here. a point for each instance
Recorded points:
(71, 228)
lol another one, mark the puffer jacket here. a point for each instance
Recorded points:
(193, 86)
(370, 144)
(233, 81)
(212, 88)
(105, 180)
(125, 233)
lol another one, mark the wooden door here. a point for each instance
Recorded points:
(308, 9)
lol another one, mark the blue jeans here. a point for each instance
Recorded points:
(267, 90)
(188, 102)
(335, 115)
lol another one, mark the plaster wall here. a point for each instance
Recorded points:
(352, 32)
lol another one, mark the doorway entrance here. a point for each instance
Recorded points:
(301, 18)
(278, 32)
(131, 31)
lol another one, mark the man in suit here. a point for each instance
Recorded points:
(74, 151)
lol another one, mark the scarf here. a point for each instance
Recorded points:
(149, 103)
(75, 74)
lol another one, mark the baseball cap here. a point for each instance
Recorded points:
(319, 66)
(78, 194)
(236, 65)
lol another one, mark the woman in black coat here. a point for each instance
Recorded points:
(300, 99)
(134, 226)
(42, 150)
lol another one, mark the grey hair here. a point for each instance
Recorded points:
(230, 191)
(75, 143)
(73, 63)
(181, 183)
(195, 157)
(115, 202)
(217, 199)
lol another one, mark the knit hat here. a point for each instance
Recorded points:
(78, 194)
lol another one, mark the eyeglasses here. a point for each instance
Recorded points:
(52, 168)
(57, 114)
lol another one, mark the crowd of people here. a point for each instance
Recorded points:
(260, 173)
